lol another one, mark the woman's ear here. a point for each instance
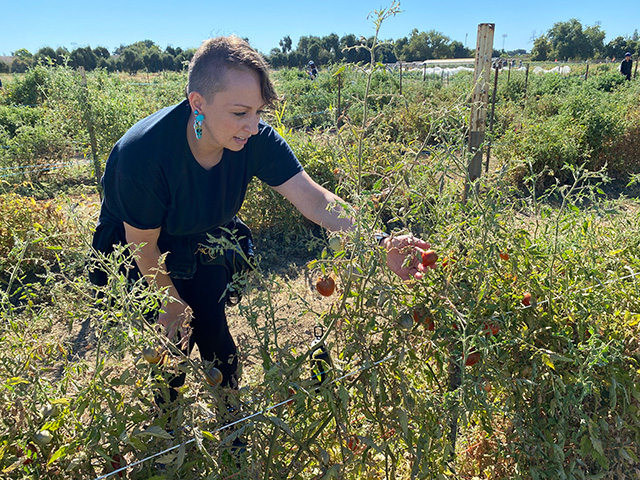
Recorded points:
(196, 101)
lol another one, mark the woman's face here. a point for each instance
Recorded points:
(232, 115)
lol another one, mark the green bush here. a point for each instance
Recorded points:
(569, 122)
(606, 82)
(30, 88)
(12, 118)
(600, 114)
(547, 145)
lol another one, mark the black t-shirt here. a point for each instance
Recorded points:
(152, 180)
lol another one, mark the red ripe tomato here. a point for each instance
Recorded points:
(326, 286)
(491, 328)
(117, 462)
(472, 359)
(526, 299)
(421, 317)
(429, 258)
(353, 443)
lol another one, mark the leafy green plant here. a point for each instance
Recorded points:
(453, 375)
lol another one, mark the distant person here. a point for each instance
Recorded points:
(625, 66)
(312, 70)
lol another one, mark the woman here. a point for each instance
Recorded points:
(182, 173)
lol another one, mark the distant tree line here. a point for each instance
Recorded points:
(570, 41)
(564, 41)
(331, 48)
(145, 55)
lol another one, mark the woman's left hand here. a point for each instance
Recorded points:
(404, 256)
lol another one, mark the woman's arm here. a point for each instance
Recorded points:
(316, 202)
(324, 208)
(147, 256)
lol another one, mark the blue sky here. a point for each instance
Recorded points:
(73, 23)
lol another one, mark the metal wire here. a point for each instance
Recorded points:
(356, 371)
(43, 168)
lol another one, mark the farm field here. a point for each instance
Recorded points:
(517, 357)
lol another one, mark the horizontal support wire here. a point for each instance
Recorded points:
(305, 115)
(362, 368)
(42, 168)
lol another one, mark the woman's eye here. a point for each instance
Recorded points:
(239, 114)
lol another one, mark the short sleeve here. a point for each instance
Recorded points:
(275, 163)
(136, 194)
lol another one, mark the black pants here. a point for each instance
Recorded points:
(204, 293)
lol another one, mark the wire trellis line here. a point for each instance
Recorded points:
(21, 167)
(360, 369)
(54, 166)
(305, 115)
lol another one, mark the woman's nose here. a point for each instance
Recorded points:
(252, 125)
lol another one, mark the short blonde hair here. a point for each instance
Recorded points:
(216, 56)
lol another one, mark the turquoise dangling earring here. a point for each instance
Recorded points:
(197, 125)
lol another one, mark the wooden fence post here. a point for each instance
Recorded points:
(479, 101)
(88, 120)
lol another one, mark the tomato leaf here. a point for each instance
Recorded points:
(58, 453)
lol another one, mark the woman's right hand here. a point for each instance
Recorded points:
(176, 317)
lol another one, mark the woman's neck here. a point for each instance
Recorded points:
(206, 157)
